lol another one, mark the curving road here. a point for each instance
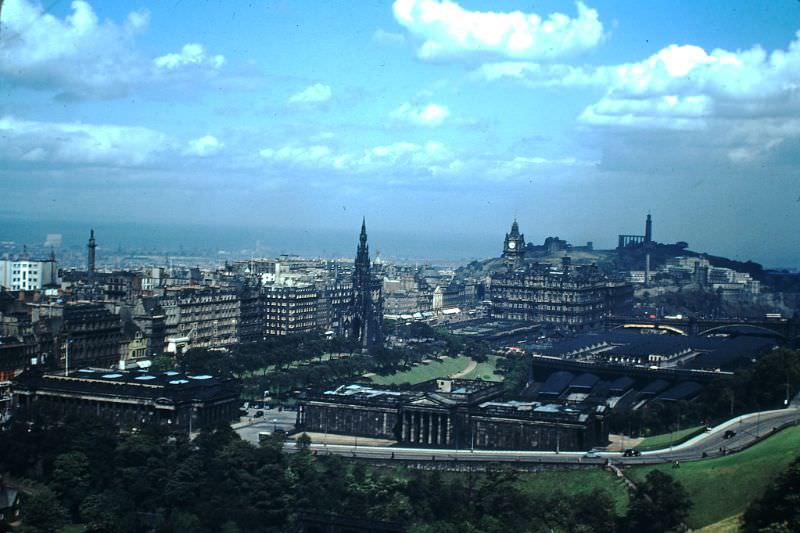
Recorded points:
(748, 429)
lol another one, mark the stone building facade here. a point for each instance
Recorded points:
(182, 403)
(208, 316)
(290, 310)
(449, 413)
(574, 298)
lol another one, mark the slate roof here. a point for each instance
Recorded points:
(681, 391)
(556, 383)
(140, 384)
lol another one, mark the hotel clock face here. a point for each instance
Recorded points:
(512, 245)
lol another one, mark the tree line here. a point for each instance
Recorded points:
(82, 470)
(280, 364)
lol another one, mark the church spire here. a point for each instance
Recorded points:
(363, 237)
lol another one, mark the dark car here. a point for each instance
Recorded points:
(728, 434)
(259, 414)
(630, 452)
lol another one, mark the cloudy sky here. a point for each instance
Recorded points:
(438, 120)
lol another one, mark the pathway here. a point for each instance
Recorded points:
(470, 367)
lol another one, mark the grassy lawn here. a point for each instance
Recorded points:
(665, 439)
(486, 371)
(729, 525)
(423, 372)
(267, 369)
(724, 486)
(573, 482)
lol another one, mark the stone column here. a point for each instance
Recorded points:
(427, 428)
(449, 430)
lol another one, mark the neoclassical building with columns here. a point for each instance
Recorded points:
(451, 413)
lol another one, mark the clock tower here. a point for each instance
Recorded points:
(514, 246)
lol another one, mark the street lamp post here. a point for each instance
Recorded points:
(758, 422)
(66, 358)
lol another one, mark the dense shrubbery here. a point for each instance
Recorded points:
(81, 470)
(778, 510)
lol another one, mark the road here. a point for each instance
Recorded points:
(748, 429)
(269, 422)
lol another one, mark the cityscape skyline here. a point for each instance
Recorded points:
(225, 243)
(326, 243)
(576, 118)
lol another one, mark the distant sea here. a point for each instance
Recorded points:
(222, 240)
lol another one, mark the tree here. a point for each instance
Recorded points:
(660, 504)
(71, 479)
(101, 512)
(43, 513)
(593, 511)
(304, 441)
(176, 521)
(161, 363)
(202, 361)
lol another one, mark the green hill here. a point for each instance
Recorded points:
(725, 486)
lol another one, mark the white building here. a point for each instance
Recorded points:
(27, 274)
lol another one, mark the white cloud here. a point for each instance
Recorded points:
(729, 95)
(388, 38)
(81, 56)
(301, 155)
(403, 152)
(207, 145)
(313, 94)
(192, 54)
(426, 115)
(521, 166)
(448, 30)
(78, 143)
(401, 161)
(543, 75)
(746, 102)
(400, 154)
(669, 111)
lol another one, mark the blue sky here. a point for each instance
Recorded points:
(435, 119)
